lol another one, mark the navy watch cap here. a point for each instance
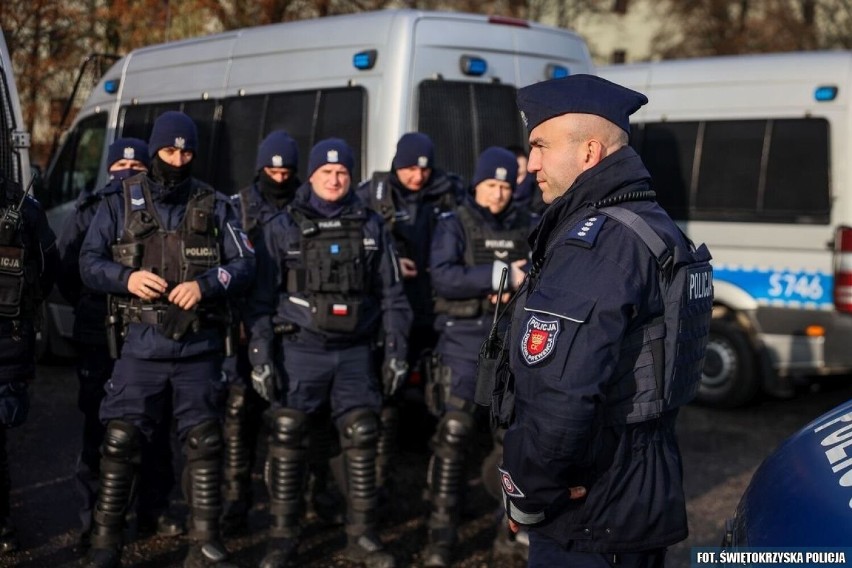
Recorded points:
(331, 151)
(586, 94)
(278, 150)
(173, 128)
(128, 149)
(496, 163)
(414, 149)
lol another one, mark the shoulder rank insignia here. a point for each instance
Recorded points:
(586, 231)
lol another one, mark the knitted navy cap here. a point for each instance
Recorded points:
(330, 151)
(278, 150)
(414, 149)
(173, 128)
(496, 163)
(586, 94)
(128, 149)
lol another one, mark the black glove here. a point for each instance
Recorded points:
(263, 381)
(177, 322)
(394, 373)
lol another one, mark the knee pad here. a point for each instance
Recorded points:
(359, 429)
(235, 406)
(122, 442)
(454, 430)
(288, 427)
(204, 441)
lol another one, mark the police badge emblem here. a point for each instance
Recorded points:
(509, 487)
(180, 143)
(539, 339)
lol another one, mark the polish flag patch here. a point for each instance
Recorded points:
(339, 310)
(224, 277)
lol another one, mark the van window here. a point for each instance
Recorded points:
(307, 116)
(450, 112)
(77, 166)
(762, 171)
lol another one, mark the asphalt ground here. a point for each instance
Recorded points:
(721, 450)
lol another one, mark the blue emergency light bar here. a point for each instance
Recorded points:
(472, 65)
(111, 86)
(825, 93)
(554, 71)
(364, 60)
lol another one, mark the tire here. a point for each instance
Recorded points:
(730, 377)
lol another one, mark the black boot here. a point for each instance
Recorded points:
(445, 482)
(358, 437)
(284, 473)
(203, 489)
(121, 453)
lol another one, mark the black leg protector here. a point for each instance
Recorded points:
(388, 444)
(285, 470)
(202, 480)
(236, 469)
(121, 451)
(446, 475)
(359, 435)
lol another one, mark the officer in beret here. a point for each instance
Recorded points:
(272, 189)
(125, 157)
(169, 251)
(410, 197)
(334, 281)
(591, 470)
(470, 248)
(29, 263)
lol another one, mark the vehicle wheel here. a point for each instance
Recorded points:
(730, 376)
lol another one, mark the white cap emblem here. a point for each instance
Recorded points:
(331, 156)
(180, 142)
(524, 118)
(129, 153)
(500, 174)
(277, 161)
(423, 161)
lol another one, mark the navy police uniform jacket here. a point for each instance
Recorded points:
(592, 282)
(412, 223)
(384, 304)
(454, 279)
(90, 307)
(17, 336)
(101, 273)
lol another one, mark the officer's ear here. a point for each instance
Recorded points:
(595, 151)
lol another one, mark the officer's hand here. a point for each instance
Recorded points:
(146, 285)
(263, 382)
(506, 297)
(394, 373)
(186, 295)
(575, 493)
(516, 273)
(407, 267)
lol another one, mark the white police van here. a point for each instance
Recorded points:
(367, 78)
(751, 154)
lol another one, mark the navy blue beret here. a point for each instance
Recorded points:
(414, 149)
(330, 151)
(278, 150)
(128, 149)
(586, 94)
(173, 128)
(496, 163)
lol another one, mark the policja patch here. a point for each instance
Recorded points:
(539, 339)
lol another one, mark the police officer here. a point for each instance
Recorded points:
(410, 197)
(591, 462)
(470, 248)
(271, 191)
(336, 280)
(169, 250)
(125, 158)
(29, 263)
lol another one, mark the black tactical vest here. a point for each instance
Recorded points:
(331, 274)
(484, 245)
(176, 256)
(20, 293)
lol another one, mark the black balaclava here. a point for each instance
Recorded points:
(168, 175)
(278, 193)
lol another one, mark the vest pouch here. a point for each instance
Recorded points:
(469, 308)
(128, 254)
(140, 224)
(199, 221)
(11, 280)
(336, 313)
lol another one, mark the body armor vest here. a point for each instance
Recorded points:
(484, 245)
(660, 363)
(20, 294)
(176, 256)
(332, 274)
